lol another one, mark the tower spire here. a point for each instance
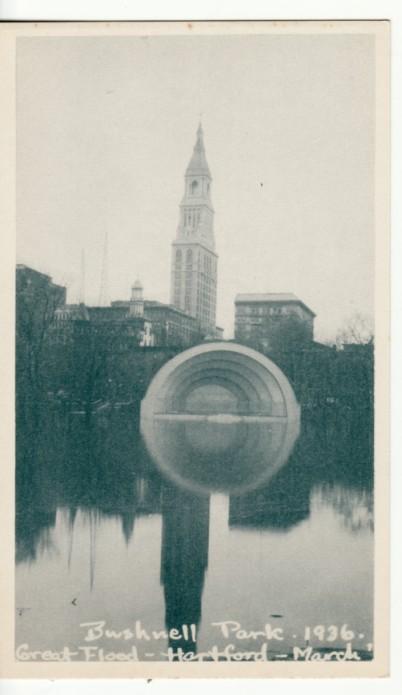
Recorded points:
(198, 165)
(194, 261)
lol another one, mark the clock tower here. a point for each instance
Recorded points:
(194, 261)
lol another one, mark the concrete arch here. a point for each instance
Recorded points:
(254, 374)
(248, 374)
(231, 452)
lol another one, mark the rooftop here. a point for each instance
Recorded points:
(150, 304)
(272, 297)
(154, 304)
(22, 266)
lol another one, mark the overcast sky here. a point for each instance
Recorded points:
(105, 129)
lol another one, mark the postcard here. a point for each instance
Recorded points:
(195, 361)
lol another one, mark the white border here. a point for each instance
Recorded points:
(104, 10)
(282, 9)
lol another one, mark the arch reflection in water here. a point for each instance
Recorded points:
(220, 417)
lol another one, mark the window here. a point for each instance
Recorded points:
(194, 187)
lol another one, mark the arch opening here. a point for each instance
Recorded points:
(213, 397)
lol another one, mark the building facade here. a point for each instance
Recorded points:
(116, 327)
(125, 324)
(272, 321)
(38, 300)
(194, 260)
(163, 325)
(172, 327)
(38, 290)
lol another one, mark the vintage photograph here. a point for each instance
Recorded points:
(196, 332)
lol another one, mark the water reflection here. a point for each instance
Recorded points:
(353, 507)
(184, 560)
(210, 455)
(103, 473)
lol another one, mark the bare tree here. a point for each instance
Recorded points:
(35, 307)
(358, 330)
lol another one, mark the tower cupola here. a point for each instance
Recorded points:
(137, 299)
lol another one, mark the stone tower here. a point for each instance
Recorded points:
(194, 261)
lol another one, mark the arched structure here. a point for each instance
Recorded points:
(220, 416)
(259, 385)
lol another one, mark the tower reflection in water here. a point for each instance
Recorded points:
(204, 457)
(184, 560)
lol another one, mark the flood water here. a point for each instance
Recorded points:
(105, 537)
